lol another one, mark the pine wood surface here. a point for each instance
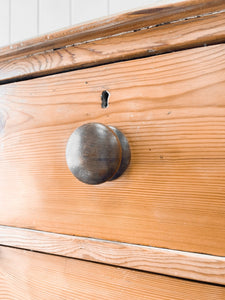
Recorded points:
(170, 107)
(28, 275)
(201, 267)
(162, 13)
(141, 33)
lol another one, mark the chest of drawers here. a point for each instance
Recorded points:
(165, 215)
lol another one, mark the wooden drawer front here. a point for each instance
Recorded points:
(29, 275)
(172, 110)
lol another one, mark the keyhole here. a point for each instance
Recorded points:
(105, 99)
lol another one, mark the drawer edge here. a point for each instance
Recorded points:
(158, 30)
(189, 265)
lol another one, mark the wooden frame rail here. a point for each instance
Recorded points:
(189, 265)
(135, 34)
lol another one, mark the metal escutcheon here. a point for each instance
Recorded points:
(96, 153)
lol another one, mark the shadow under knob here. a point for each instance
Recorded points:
(96, 153)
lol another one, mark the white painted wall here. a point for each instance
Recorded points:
(24, 19)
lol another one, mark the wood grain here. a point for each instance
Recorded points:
(113, 25)
(189, 265)
(172, 110)
(28, 275)
(140, 33)
(183, 34)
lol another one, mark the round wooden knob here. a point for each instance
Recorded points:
(96, 153)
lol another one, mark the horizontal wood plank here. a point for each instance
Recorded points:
(113, 25)
(140, 33)
(190, 33)
(172, 110)
(189, 265)
(29, 275)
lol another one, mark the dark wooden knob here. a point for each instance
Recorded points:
(96, 153)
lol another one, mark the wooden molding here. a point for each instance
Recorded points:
(189, 265)
(115, 25)
(160, 29)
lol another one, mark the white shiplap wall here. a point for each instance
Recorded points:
(24, 19)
